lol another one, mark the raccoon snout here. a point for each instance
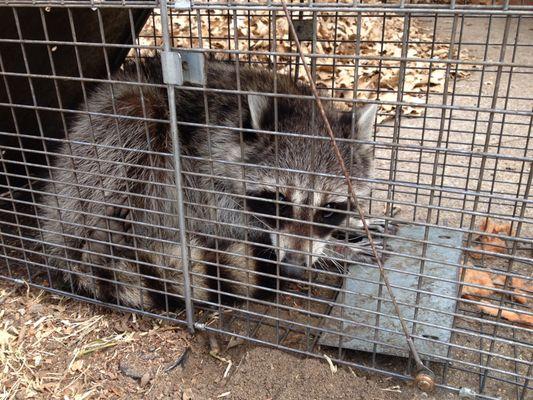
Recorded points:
(293, 265)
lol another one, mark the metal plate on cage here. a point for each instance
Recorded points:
(181, 66)
(359, 307)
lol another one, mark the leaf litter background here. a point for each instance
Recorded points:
(378, 73)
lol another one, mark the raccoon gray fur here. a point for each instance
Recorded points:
(110, 218)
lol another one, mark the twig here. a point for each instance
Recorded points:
(181, 360)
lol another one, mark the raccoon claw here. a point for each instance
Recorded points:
(374, 224)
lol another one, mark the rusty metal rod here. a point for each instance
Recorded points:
(420, 365)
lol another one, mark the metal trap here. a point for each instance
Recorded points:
(425, 290)
(156, 218)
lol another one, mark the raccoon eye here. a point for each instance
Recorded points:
(332, 216)
(328, 214)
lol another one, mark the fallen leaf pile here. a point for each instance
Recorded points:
(489, 283)
(378, 73)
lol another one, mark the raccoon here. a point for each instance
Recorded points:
(256, 203)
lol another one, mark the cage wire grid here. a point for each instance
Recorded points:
(451, 146)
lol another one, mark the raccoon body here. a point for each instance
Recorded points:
(109, 219)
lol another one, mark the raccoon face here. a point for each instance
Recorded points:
(305, 198)
(301, 222)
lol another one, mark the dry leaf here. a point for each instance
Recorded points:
(490, 243)
(488, 282)
(514, 316)
(332, 367)
(145, 379)
(77, 366)
(480, 278)
(5, 337)
(489, 226)
(519, 286)
(187, 394)
(337, 35)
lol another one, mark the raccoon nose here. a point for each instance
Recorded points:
(294, 265)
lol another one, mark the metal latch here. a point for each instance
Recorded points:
(182, 5)
(181, 66)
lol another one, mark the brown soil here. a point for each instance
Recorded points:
(46, 342)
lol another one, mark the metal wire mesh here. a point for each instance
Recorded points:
(120, 201)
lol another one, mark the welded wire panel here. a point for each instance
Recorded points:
(225, 195)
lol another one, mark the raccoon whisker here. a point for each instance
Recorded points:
(339, 266)
(321, 263)
(328, 252)
(262, 252)
(319, 258)
(261, 221)
(345, 258)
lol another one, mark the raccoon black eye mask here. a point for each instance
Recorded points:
(332, 216)
(269, 204)
(126, 165)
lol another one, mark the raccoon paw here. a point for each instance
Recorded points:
(338, 254)
(110, 233)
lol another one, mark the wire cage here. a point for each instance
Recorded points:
(175, 159)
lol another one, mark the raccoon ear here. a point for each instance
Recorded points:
(258, 106)
(365, 117)
(364, 122)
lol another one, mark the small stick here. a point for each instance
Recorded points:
(181, 360)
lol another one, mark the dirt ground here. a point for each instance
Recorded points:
(56, 348)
